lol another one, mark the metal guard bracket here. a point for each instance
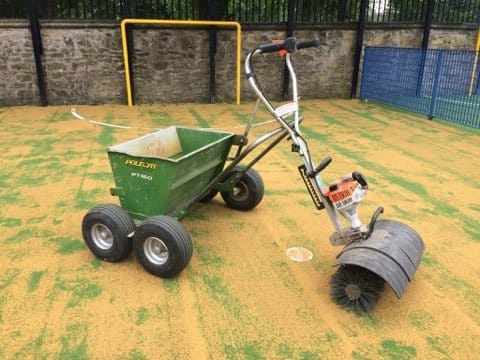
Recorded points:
(117, 192)
(229, 183)
(393, 252)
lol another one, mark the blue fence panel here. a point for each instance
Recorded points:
(436, 83)
(456, 100)
(392, 76)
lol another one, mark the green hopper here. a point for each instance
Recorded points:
(161, 173)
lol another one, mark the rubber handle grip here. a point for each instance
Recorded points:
(307, 44)
(288, 45)
(266, 48)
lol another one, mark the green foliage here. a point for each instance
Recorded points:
(249, 11)
(445, 11)
(457, 11)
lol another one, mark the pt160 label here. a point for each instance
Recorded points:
(142, 176)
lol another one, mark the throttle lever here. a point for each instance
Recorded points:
(323, 164)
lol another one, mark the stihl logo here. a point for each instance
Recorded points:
(340, 195)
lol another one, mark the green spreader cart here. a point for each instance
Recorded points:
(157, 177)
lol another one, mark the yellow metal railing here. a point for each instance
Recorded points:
(125, 22)
(475, 61)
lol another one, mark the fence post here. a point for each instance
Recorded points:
(359, 45)
(421, 71)
(37, 50)
(436, 83)
(212, 36)
(426, 38)
(428, 23)
(290, 27)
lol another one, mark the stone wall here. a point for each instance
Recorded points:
(18, 83)
(83, 62)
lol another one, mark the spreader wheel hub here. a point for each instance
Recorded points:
(156, 250)
(101, 236)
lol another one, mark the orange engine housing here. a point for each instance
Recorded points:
(342, 192)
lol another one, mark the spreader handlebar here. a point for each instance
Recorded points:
(309, 43)
(289, 45)
(280, 113)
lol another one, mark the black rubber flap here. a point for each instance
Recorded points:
(393, 252)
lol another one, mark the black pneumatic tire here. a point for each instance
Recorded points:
(163, 246)
(209, 196)
(106, 229)
(247, 192)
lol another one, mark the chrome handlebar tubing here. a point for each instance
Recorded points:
(294, 132)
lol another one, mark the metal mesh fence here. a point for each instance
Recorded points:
(437, 83)
(251, 11)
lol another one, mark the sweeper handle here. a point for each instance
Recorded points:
(289, 45)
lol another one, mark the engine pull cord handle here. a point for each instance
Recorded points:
(359, 178)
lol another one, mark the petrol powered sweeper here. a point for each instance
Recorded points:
(160, 175)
